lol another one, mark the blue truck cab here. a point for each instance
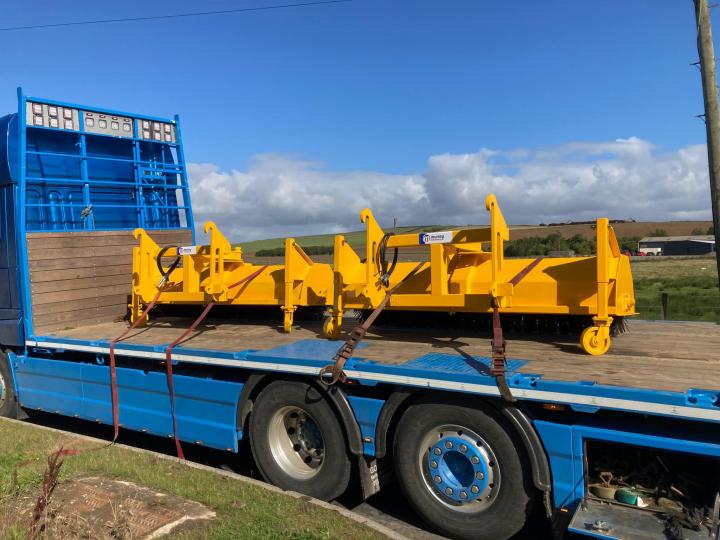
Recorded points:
(626, 446)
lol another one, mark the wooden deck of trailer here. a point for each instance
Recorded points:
(673, 356)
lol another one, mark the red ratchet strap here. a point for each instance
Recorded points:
(113, 372)
(497, 344)
(185, 334)
(333, 373)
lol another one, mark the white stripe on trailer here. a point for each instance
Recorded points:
(267, 366)
(438, 384)
(545, 395)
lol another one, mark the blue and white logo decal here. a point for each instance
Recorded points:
(440, 237)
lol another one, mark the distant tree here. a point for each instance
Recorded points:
(538, 246)
(629, 243)
(555, 242)
(581, 245)
(697, 231)
(658, 232)
(525, 247)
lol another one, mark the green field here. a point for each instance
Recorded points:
(243, 510)
(691, 285)
(355, 238)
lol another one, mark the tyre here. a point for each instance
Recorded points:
(8, 405)
(461, 472)
(297, 441)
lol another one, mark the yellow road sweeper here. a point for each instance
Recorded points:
(466, 272)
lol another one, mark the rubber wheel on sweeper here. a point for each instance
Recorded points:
(297, 441)
(8, 405)
(460, 470)
(592, 344)
(330, 329)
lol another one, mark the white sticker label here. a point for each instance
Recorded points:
(187, 250)
(440, 237)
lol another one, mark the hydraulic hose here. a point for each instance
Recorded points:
(382, 262)
(165, 273)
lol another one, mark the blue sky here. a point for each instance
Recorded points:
(374, 85)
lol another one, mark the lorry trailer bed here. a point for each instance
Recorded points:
(669, 356)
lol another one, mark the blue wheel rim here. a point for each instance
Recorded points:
(459, 468)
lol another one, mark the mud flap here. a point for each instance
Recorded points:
(374, 475)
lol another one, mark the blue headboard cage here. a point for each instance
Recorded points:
(90, 168)
(66, 167)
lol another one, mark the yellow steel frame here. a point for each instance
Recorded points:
(209, 273)
(460, 276)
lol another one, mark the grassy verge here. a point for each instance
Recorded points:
(691, 286)
(243, 510)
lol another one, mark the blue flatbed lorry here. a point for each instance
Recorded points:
(622, 446)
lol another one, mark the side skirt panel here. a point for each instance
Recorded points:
(206, 409)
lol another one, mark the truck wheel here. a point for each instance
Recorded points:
(461, 472)
(8, 407)
(298, 442)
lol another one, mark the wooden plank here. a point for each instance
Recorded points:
(65, 234)
(84, 276)
(79, 249)
(79, 294)
(116, 252)
(63, 264)
(97, 282)
(120, 301)
(74, 240)
(70, 319)
(45, 276)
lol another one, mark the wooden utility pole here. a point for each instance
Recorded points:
(712, 114)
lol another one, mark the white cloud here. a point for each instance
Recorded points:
(282, 195)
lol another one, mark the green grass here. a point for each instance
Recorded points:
(691, 286)
(243, 510)
(356, 239)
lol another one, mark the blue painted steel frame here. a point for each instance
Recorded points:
(20, 215)
(206, 409)
(307, 356)
(21, 186)
(565, 445)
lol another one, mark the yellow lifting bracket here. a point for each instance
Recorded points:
(595, 340)
(210, 273)
(221, 251)
(358, 283)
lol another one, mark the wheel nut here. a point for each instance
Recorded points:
(433, 464)
(448, 491)
(463, 448)
(437, 479)
(463, 495)
(448, 444)
(437, 451)
(475, 460)
(480, 476)
(474, 489)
